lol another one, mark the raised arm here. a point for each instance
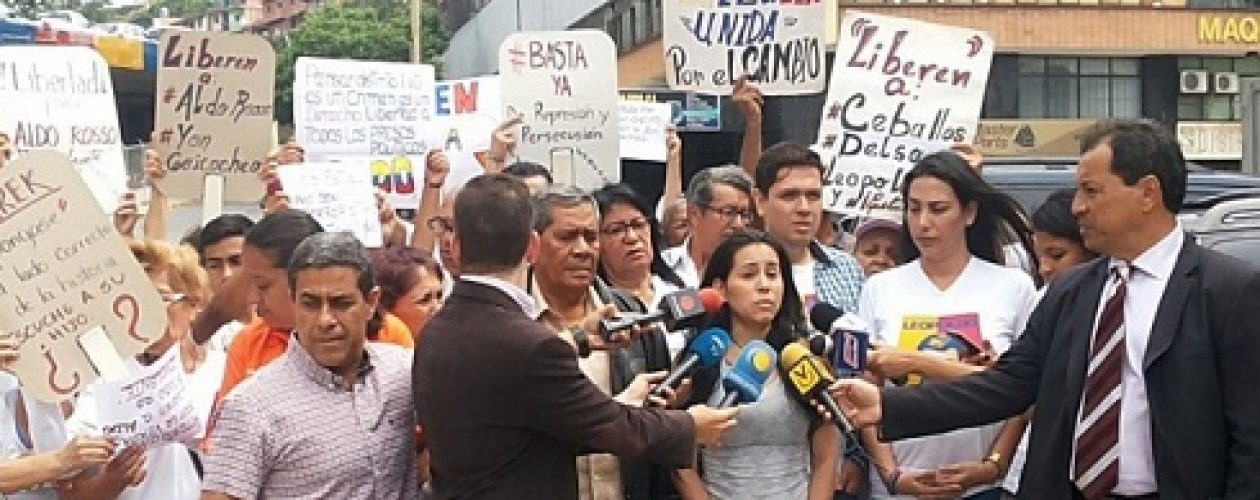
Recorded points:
(749, 101)
(436, 169)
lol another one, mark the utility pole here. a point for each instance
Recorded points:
(417, 19)
(1251, 126)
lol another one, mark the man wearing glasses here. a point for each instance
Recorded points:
(719, 201)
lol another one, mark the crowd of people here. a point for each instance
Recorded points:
(465, 358)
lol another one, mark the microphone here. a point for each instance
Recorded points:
(810, 377)
(845, 335)
(744, 382)
(704, 351)
(685, 308)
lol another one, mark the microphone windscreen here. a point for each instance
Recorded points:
(712, 300)
(749, 374)
(823, 315)
(710, 345)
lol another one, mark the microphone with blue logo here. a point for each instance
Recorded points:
(844, 339)
(744, 382)
(704, 351)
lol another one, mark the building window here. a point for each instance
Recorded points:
(1070, 87)
(1213, 104)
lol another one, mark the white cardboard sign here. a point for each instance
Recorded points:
(67, 278)
(780, 45)
(900, 90)
(467, 112)
(564, 85)
(643, 130)
(377, 115)
(339, 195)
(62, 99)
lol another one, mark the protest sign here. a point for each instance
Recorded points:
(62, 99)
(376, 115)
(214, 112)
(643, 129)
(467, 112)
(710, 44)
(339, 195)
(564, 86)
(151, 407)
(64, 271)
(900, 90)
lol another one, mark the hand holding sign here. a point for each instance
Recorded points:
(436, 167)
(503, 140)
(748, 100)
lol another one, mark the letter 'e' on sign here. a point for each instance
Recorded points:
(65, 274)
(215, 93)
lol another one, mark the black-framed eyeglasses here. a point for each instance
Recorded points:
(729, 214)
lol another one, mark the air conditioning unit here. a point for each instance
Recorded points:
(1194, 81)
(1225, 83)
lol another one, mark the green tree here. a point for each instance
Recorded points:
(376, 30)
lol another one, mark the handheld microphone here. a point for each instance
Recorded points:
(744, 382)
(704, 351)
(685, 308)
(809, 379)
(848, 336)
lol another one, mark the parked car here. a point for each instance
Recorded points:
(1228, 222)
(127, 30)
(66, 19)
(1031, 180)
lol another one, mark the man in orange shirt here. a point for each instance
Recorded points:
(268, 248)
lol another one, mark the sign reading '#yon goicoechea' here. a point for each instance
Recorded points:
(214, 112)
(900, 90)
(709, 44)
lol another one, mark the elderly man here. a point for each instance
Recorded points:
(719, 201)
(332, 417)
(569, 294)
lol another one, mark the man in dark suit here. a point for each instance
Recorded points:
(1142, 364)
(501, 398)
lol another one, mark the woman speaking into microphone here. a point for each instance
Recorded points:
(778, 449)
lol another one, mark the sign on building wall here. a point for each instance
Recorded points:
(1030, 137)
(710, 44)
(564, 86)
(900, 90)
(1210, 140)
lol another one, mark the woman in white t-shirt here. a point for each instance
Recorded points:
(630, 251)
(942, 315)
(170, 470)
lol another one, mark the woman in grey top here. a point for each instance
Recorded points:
(778, 450)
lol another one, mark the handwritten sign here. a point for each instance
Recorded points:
(64, 270)
(467, 112)
(709, 44)
(340, 196)
(564, 85)
(151, 407)
(368, 113)
(215, 93)
(62, 99)
(643, 129)
(900, 90)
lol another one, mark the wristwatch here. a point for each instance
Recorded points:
(581, 341)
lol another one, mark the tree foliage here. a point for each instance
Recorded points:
(375, 30)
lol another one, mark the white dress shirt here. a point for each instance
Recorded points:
(679, 259)
(1147, 278)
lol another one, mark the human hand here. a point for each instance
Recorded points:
(83, 452)
(851, 477)
(436, 167)
(503, 140)
(859, 399)
(291, 153)
(748, 99)
(127, 215)
(673, 143)
(712, 423)
(616, 340)
(969, 474)
(128, 468)
(925, 484)
(639, 392)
